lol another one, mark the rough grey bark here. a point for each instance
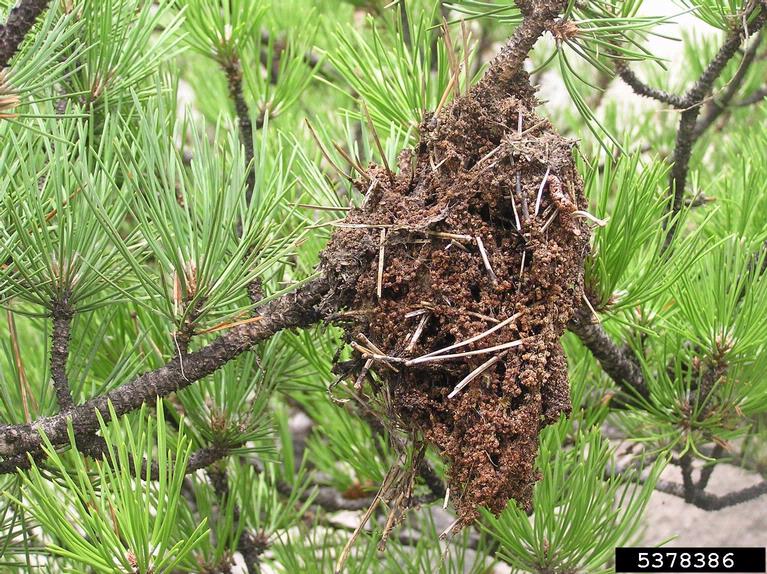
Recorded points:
(297, 309)
(618, 362)
(20, 20)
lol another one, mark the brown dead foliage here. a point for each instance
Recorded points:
(460, 180)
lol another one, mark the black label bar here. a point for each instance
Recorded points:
(690, 560)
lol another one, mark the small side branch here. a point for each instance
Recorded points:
(62, 324)
(618, 362)
(711, 502)
(17, 26)
(687, 134)
(250, 544)
(640, 88)
(508, 64)
(753, 98)
(199, 459)
(708, 470)
(233, 71)
(697, 496)
(297, 309)
(719, 104)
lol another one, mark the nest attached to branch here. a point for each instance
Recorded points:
(459, 274)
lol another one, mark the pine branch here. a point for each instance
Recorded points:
(711, 502)
(696, 496)
(688, 485)
(708, 470)
(233, 71)
(618, 362)
(62, 323)
(20, 21)
(293, 310)
(280, 44)
(250, 544)
(686, 136)
(719, 104)
(735, 459)
(96, 448)
(642, 89)
(753, 98)
(507, 65)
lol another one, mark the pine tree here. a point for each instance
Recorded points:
(262, 262)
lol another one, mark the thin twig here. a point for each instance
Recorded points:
(619, 363)
(719, 104)
(233, 70)
(642, 89)
(686, 135)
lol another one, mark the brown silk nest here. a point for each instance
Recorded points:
(478, 228)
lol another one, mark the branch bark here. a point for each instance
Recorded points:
(719, 104)
(62, 323)
(753, 98)
(686, 133)
(642, 89)
(20, 21)
(619, 363)
(710, 502)
(508, 65)
(297, 309)
(234, 77)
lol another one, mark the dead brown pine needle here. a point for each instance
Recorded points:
(415, 313)
(474, 374)
(483, 317)
(352, 162)
(228, 325)
(590, 217)
(521, 270)
(381, 251)
(454, 236)
(445, 533)
(417, 334)
(540, 190)
(363, 372)
(340, 223)
(531, 128)
(321, 207)
(501, 347)
(325, 152)
(343, 557)
(486, 261)
(445, 95)
(377, 141)
(550, 220)
(514, 209)
(24, 388)
(475, 338)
